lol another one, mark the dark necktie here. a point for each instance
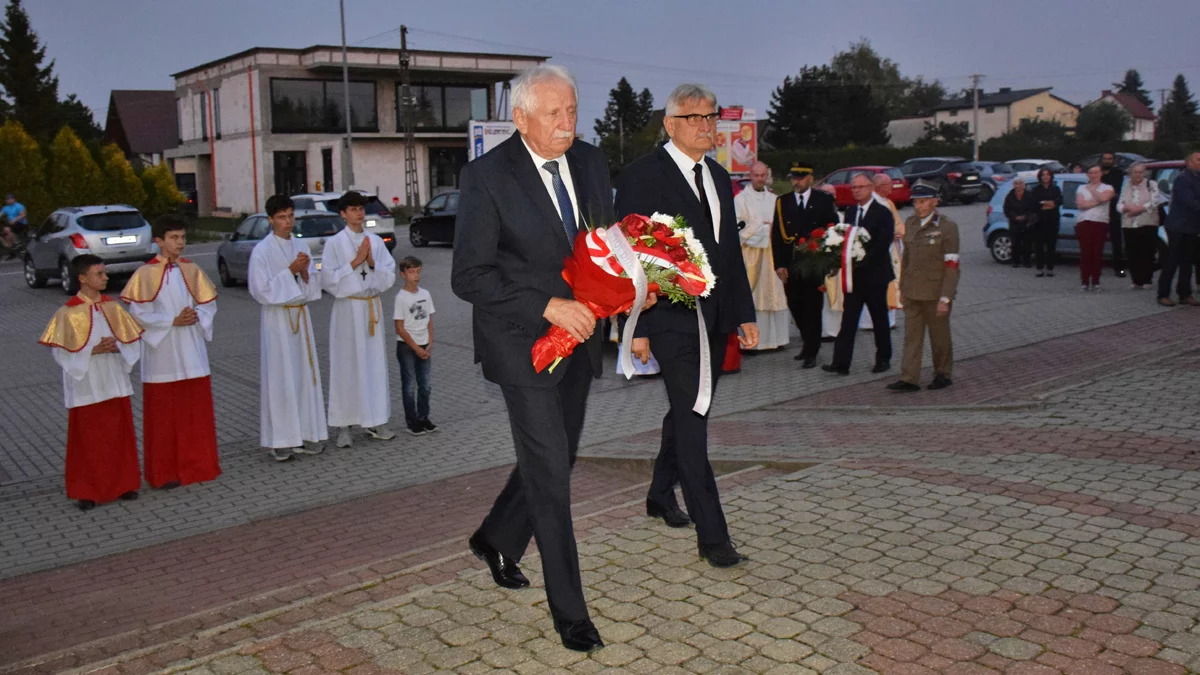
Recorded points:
(859, 217)
(699, 171)
(564, 202)
(800, 201)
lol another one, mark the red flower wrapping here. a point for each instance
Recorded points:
(603, 293)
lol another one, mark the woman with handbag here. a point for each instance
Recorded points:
(1138, 206)
(1021, 211)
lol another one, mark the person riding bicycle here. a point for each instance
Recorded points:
(15, 222)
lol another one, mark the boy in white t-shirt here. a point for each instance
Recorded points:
(414, 342)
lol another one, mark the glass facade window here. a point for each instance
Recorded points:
(216, 104)
(308, 106)
(444, 107)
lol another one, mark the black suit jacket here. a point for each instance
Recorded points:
(876, 267)
(653, 183)
(509, 248)
(819, 211)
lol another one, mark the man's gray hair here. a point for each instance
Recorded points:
(1137, 165)
(522, 87)
(689, 92)
(1018, 179)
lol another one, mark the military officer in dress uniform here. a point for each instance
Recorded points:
(928, 283)
(797, 214)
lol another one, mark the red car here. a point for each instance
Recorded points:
(840, 180)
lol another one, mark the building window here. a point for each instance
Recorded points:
(1041, 109)
(216, 104)
(444, 107)
(179, 118)
(204, 116)
(954, 113)
(306, 106)
(990, 109)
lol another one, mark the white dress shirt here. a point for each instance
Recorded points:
(803, 197)
(564, 172)
(686, 166)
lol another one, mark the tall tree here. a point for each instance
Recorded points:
(23, 170)
(1037, 132)
(30, 86)
(1102, 122)
(1178, 120)
(162, 196)
(625, 116)
(79, 117)
(1132, 85)
(821, 109)
(900, 95)
(74, 177)
(121, 183)
(955, 133)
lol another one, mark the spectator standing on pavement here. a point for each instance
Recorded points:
(1138, 205)
(355, 268)
(1049, 198)
(176, 303)
(414, 346)
(1021, 209)
(1114, 178)
(1183, 230)
(94, 340)
(930, 283)
(16, 223)
(283, 279)
(1091, 229)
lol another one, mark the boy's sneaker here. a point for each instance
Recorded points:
(381, 433)
(310, 448)
(429, 427)
(280, 454)
(343, 438)
(416, 429)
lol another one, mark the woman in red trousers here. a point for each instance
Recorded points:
(1092, 227)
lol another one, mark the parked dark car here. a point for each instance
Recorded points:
(435, 223)
(1124, 160)
(954, 177)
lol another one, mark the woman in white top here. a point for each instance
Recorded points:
(1092, 227)
(1138, 206)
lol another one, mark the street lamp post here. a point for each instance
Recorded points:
(348, 156)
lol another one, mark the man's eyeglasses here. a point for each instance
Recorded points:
(694, 120)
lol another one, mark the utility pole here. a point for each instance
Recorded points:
(502, 102)
(975, 115)
(406, 106)
(348, 155)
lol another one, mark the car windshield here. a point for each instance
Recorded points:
(376, 208)
(964, 167)
(109, 222)
(317, 226)
(1001, 168)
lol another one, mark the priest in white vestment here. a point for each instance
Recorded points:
(355, 268)
(755, 206)
(283, 279)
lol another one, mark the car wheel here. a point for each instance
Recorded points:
(415, 237)
(967, 199)
(986, 194)
(227, 279)
(33, 277)
(1001, 247)
(70, 284)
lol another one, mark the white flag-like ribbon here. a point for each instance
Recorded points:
(848, 260)
(619, 246)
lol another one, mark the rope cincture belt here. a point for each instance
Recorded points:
(296, 326)
(372, 316)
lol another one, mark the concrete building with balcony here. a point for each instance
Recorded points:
(270, 120)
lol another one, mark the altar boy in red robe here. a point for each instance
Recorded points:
(95, 341)
(175, 302)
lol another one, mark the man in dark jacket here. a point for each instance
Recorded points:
(1183, 233)
(1113, 177)
(797, 214)
(870, 280)
(679, 180)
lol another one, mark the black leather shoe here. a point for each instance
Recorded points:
(830, 368)
(903, 386)
(129, 496)
(882, 367)
(721, 555)
(673, 516)
(798, 357)
(579, 636)
(505, 572)
(1120, 274)
(85, 504)
(809, 363)
(940, 382)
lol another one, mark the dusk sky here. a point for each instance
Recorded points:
(741, 49)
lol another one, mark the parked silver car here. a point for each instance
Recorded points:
(379, 217)
(117, 233)
(233, 256)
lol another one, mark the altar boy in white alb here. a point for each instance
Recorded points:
(356, 268)
(283, 279)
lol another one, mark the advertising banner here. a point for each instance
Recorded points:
(486, 135)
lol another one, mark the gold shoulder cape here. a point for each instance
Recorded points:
(71, 326)
(146, 282)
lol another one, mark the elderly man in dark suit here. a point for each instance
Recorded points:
(520, 209)
(871, 278)
(679, 180)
